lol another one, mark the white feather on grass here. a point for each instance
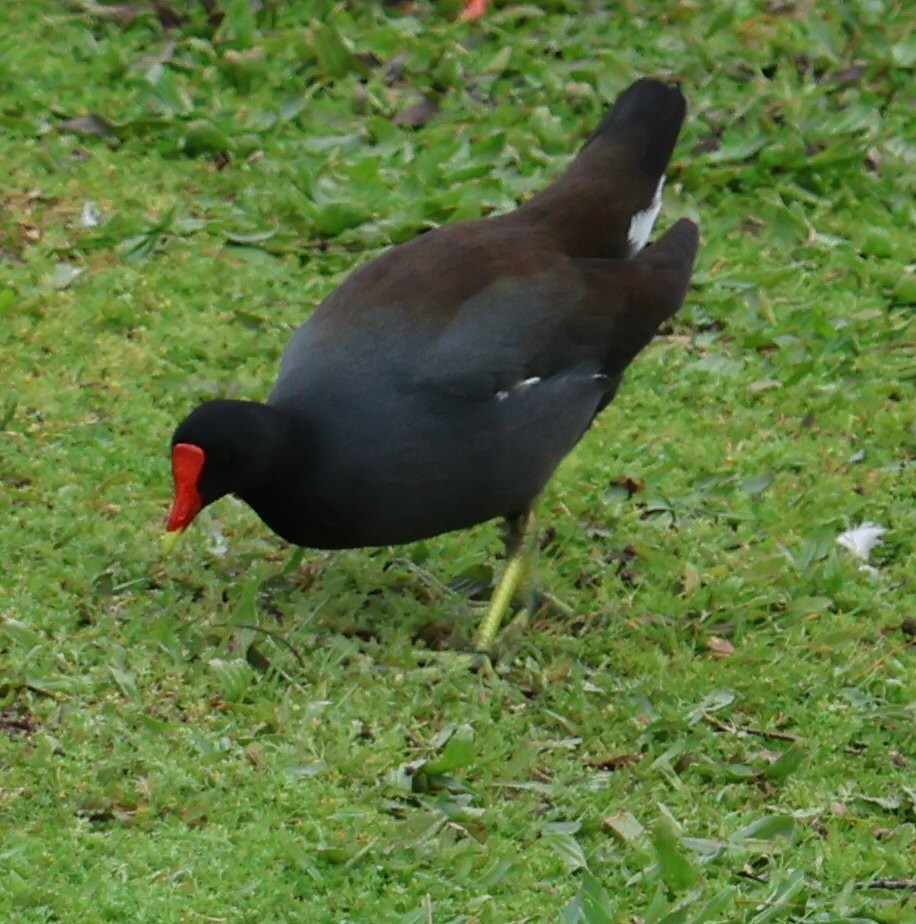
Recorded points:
(861, 540)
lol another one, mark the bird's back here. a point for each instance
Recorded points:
(597, 214)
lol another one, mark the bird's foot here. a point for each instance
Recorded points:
(548, 605)
(479, 662)
(458, 661)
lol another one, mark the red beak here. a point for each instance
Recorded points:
(187, 464)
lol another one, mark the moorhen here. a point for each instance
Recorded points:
(443, 382)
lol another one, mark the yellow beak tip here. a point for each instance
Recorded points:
(170, 540)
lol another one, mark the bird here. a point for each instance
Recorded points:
(442, 383)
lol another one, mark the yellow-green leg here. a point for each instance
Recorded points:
(517, 573)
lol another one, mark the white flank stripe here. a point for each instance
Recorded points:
(518, 387)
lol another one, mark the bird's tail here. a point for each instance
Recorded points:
(662, 272)
(604, 205)
(647, 118)
(647, 290)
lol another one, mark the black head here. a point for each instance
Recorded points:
(225, 447)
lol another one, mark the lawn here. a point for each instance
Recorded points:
(721, 726)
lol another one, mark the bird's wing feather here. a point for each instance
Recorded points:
(502, 335)
(600, 312)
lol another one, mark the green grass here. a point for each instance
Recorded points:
(722, 733)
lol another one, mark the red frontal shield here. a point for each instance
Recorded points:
(187, 464)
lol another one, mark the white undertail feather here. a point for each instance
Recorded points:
(642, 222)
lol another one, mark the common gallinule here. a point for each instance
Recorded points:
(443, 382)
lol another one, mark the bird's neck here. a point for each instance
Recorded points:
(282, 458)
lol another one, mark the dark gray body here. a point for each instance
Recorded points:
(443, 382)
(446, 437)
